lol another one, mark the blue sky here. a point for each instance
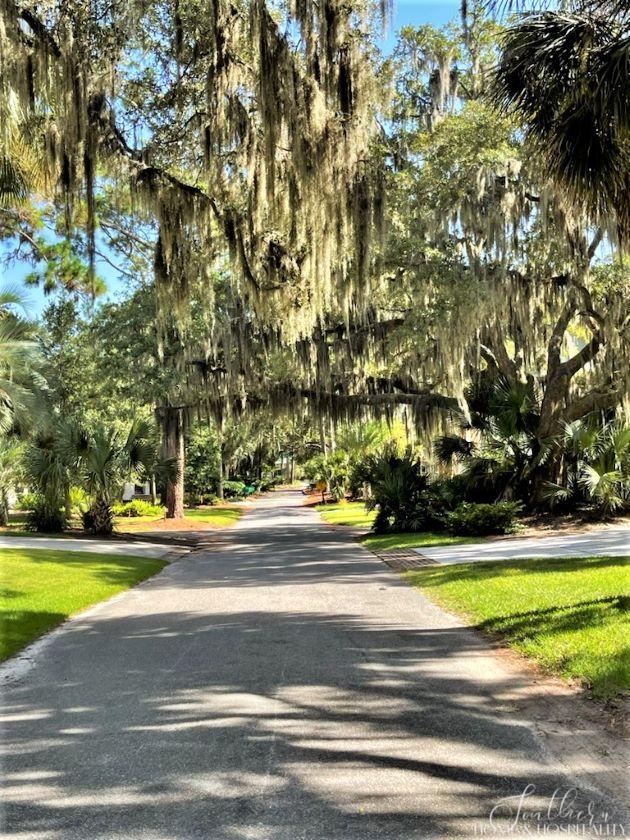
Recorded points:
(405, 12)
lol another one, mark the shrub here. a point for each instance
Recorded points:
(473, 520)
(398, 483)
(27, 501)
(193, 499)
(79, 500)
(46, 518)
(233, 489)
(137, 507)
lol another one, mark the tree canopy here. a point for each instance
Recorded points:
(310, 229)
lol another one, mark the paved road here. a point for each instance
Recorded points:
(285, 686)
(118, 547)
(609, 542)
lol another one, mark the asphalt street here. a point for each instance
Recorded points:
(286, 685)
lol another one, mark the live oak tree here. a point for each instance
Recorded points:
(232, 123)
(238, 143)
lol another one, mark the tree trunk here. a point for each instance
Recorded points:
(173, 444)
(322, 436)
(4, 507)
(221, 476)
(153, 490)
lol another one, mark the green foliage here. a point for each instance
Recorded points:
(137, 507)
(469, 519)
(203, 456)
(20, 396)
(399, 485)
(196, 499)
(11, 470)
(333, 470)
(234, 489)
(596, 467)
(62, 267)
(27, 501)
(46, 517)
(79, 499)
(50, 466)
(565, 76)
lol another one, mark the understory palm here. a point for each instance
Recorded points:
(18, 363)
(104, 459)
(499, 462)
(596, 467)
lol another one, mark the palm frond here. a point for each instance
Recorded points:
(447, 447)
(565, 75)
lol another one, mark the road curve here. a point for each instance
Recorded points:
(284, 686)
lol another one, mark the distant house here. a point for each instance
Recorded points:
(136, 491)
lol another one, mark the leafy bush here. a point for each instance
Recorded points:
(193, 499)
(470, 519)
(234, 489)
(137, 507)
(27, 501)
(46, 518)
(79, 500)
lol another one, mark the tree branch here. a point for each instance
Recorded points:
(557, 336)
(597, 400)
(586, 354)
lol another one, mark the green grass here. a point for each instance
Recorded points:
(415, 540)
(215, 515)
(40, 588)
(569, 615)
(347, 513)
(354, 514)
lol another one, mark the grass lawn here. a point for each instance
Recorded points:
(219, 516)
(39, 588)
(414, 540)
(355, 514)
(347, 513)
(569, 615)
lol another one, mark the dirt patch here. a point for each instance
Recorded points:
(549, 525)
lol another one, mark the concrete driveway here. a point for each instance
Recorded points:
(118, 547)
(609, 542)
(284, 686)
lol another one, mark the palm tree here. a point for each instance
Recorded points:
(10, 472)
(504, 417)
(596, 467)
(50, 467)
(100, 460)
(565, 75)
(104, 459)
(18, 362)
